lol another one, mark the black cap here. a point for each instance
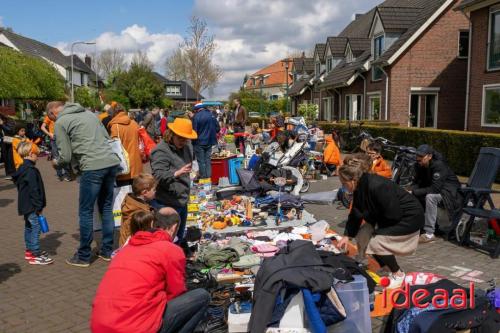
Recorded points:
(423, 150)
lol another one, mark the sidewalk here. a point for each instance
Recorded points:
(57, 298)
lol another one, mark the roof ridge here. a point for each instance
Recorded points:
(30, 39)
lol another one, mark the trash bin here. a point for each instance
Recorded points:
(220, 168)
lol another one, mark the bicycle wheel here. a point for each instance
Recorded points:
(305, 186)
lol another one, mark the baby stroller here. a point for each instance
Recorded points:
(289, 165)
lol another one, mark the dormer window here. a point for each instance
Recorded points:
(318, 68)
(329, 64)
(349, 56)
(378, 47)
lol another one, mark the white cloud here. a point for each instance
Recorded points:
(157, 46)
(250, 34)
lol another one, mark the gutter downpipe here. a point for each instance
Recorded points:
(386, 94)
(467, 91)
(364, 93)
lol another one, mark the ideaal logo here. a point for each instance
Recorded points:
(441, 299)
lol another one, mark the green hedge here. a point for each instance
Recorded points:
(460, 148)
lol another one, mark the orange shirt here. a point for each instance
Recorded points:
(331, 155)
(381, 168)
(50, 124)
(18, 160)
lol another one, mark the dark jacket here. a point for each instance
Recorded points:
(391, 210)
(31, 192)
(299, 265)
(207, 127)
(439, 178)
(150, 125)
(165, 161)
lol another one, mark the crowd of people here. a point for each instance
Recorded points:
(143, 288)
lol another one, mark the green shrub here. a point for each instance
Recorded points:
(460, 148)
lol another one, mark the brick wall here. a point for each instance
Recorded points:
(432, 62)
(375, 86)
(478, 73)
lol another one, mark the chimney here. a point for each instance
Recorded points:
(88, 61)
(303, 54)
(357, 16)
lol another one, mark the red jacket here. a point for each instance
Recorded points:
(141, 279)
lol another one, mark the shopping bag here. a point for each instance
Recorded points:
(149, 144)
(119, 194)
(118, 149)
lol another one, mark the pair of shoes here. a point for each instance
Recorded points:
(104, 257)
(396, 280)
(67, 179)
(75, 261)
(40, 260)
(426, 238)
(29, 255)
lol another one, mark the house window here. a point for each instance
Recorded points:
(494, 42)
(378, 47)
(318, 68)
(349, 57)
(491, 106)
(329, 64)
(173, 90)
(377, 73)
(374, 107)
(253, 82)
(423, 110)
(353, 107)
(463, 44)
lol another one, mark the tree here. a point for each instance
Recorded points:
(86, 97)
(175, 69)
(141, 59)
(140, 85)
(110, 62)
(26, 77)
(195, 58)
(309, 111)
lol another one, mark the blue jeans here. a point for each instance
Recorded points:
(32, 233)
(96, 185)
(182, 211)
(183, 313)
(60, 170)
(203, 154)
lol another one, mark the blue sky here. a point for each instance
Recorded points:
(250, 34)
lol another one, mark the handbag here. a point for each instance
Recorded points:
(118, 149)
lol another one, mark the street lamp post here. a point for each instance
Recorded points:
(72, 66)
(286, 68)
(261, 79)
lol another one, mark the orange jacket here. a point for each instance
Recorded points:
(381, 168)
(331, 154)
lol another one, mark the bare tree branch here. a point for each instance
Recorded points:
(108, 62)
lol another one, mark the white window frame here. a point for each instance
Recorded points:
(424, 91)
(350, 115)
(458, 45)
(493, 10)
(373, 74)
(327, 111)
(382, 47)
(329, 64)
(483, 104)
(370, 96)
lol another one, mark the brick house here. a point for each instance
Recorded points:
(273, 80)
(483, 97)
(300, 91)
(403, 62)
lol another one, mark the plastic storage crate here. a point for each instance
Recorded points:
(235, 164)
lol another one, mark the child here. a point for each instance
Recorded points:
(18, 138)
(255, 159)
(379, 166)
(256, 136)
(31, 202)
(140, 221)
(221, 136)
(331, 154)
(143, 191)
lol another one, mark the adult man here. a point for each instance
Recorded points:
(81, 138)
(144, 288)
(434, 183)
(240, 120)
(207, 127)
(48, 128)
(149, 123)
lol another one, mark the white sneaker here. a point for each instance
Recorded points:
(426, 238)
(396, 281)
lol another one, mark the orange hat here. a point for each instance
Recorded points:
(114, 104)
(184, 128)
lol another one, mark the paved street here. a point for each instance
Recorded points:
(57, 298)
